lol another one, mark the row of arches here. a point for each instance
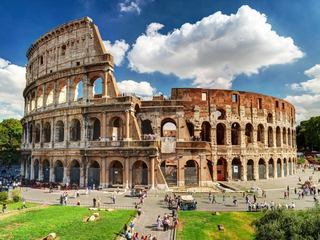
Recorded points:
(33, 133)
(61, 93)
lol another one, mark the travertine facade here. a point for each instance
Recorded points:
(79, 129)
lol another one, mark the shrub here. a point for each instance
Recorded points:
(16, 195)
(3, 196)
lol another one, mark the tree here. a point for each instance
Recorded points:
(308, 134)
(10, 140)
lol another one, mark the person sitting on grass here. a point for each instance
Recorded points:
(4, 207)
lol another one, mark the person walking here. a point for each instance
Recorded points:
(158, 221)
(94, 200)
(213, 199)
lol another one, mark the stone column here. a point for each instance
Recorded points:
(267, 169)
(51, 173)
(152, 171)
(126, 169)
(127, 135)
(243, 170)
(65, 175)
(40, 170)
(282, 172)
(103, 172)
(104, 125)
(32, 170)
(214, 170)
(180, 173)
(82, 176)
(44, 96)
(229, 170)
(255, 169)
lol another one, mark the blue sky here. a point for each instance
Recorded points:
(278, 72)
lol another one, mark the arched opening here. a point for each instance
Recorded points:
(49, 99)
(116, 173)
(168, 128)
(139, 173)
(220, 114)
(235, 134)
(30, 133)
(40, 99)
(169, 171)
(262, 169)
(260, 134)
(269, 118)
(78, 91)
(278, 137)
(250, 167)
(36, 169)
(285, 168)
(270, 137)
(75, 130)
(98, 88)
(290, 167)
(221, 134)
(58, 172)
(94, 129)
(190, 127)
(249, 133)
(47, 132)
(236, 169)
(94, 175)
(191, 173)
(205, 132)
(75, 173)
(37, 140)
(46, 171)
(271, 168)
(62, 95)
(117, 129)
(284, 136)
(146, 127)
(59, 131)
(221, 169)
(279, 167)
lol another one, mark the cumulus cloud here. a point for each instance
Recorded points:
(214, 50)
(130, 6)
(12, 83)
(118, 50)
(142, 89)
(308, 102)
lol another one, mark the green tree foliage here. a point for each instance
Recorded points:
(10, 140)
(308, 134)
(283, 224)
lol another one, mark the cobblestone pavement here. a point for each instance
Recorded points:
(154, 205)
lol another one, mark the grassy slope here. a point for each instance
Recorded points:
(203, 225)
(66, 222)
(15, 205)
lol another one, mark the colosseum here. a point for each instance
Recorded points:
(80, 130)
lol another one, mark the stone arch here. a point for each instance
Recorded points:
(78, 90)
(235, 133)
(139, 173)
(117, 128)
(190, 127)
(269, 118)
(116, 173)
(75, 172)
(221, 134)
(278, 136)
(285, 167)
(270, 137)
(222, 169)
(47, 132)
(168, 128)
(249, 133)
(262, 169)
(50, 97)
(97, 87)
(94, 130)
(279, 168)
(146, 127)
(236, 168)
(220, 114)
(36, 169)
(38, 133)
(75, 130)
(191, 173)
(271, 168)
(40, 98)
(250, 170)
(58, 171)
(59, 131)
(260, 133)
(205, 132)
(169, 171)
(46, 170)
(62, 93)
(94, 175)
(284, 136)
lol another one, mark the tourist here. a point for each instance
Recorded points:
(213, 199)
(94, 202)
(139, 211)
(23, 204)
(131, 225)
(135, 236)
(158, 221)
(4, 207)
(61, 199)
(209, 197)
(223, 199)
(113, 198)
(78, 202)
(129, 235)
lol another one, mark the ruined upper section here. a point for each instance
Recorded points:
(70, 45)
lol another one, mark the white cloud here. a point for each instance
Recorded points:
(130, 6)
(142, 89)
(12, 83)
(308, 103)
(214, 50)
(117, 50)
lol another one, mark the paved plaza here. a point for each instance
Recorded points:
(154, 204)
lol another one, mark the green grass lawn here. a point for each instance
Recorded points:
(204, 225)
(16, 205)
(66, 222)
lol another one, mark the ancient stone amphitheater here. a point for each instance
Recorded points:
(80, 130)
